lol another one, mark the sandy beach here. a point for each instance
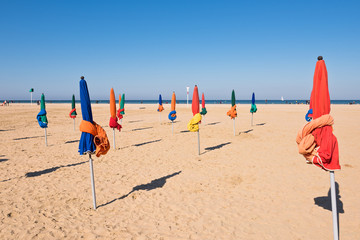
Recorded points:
(253, 185)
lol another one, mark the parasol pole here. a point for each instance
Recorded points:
(234, 125)
(114, 137)
(45, 137)
(92, 182)
(333, 205)
(31, 98)
(74, 124)
(172, 127)
(160, 117)
(252, 115)
(187, 96)
(198, 133)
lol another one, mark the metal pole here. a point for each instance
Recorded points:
(121, 121)
(252, 115)
(74, 124)
(172, 127)
(333, 205)
(198, 141)
(92, 181)
(114, 137)
(45, 137)
(160, 117)
(187, 96)
(31, 98)
(234, 125)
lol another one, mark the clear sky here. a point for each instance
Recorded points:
(147, 47)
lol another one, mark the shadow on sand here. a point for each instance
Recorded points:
(325, 201)
(213, 123)
(134, 121)
(184, 131)
(5, 130)
(4, 159)
(141, 144)
(73, 141)
(139, 129)
(49, 170)
(247, 131)
(156, 183)
(208, 149)
(260, 124)
(16, 139)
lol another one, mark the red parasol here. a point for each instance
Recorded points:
(195, 101)
(328, 152)
(316, 140)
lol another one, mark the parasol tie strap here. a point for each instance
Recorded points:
(161, 108)
(232, 112)
(71, 112)
(306, 141)
(119, 115)
(172, 115)
(100, 138)
(203, 111)
(253, 108)
(39, 118)
(193, 125)
(114, 124)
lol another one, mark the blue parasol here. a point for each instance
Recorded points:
(86, 144)
(160, 99)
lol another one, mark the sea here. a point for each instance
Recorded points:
(184, 101)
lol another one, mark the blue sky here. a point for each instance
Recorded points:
(147, 47)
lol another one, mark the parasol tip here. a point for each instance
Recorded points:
(320, 58)
(82, 77)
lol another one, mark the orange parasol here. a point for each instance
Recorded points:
(172, 114)
(113, 119)
(112, 104)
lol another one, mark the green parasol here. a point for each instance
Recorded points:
(42, 107)
(73, 113)
(233, 98)
(122, 104)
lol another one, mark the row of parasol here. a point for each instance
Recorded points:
(316, 141)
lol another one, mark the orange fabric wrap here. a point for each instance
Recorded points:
(161, 108)
(112, 104)
(306, 141)
(101, 141)
(88, 127)
(100, 138)
(232, 112)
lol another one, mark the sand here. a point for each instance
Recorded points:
(253, 185)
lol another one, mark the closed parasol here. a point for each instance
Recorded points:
(316, 140)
